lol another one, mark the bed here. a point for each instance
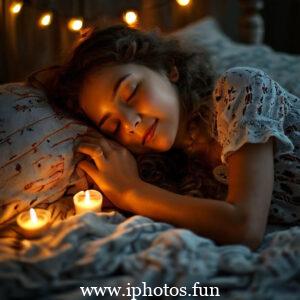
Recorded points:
(112, 249)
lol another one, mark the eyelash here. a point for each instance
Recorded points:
(117, 129)
(133, 93)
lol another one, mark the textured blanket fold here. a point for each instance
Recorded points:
(108, 249)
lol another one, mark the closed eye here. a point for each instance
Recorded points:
(117, 128)
(133, 93)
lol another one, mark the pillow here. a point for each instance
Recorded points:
(36, 146)
(225, 53)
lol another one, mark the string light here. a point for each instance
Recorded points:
(45, 19)
(130, 17)
(183, 2)
(75, 24)
(15, 7)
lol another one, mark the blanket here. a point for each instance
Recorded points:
(111, 249)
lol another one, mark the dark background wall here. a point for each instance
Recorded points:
(24, 47)
(282, 24)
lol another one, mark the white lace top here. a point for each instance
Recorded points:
(250, 107)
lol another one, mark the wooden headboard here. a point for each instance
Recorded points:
(251, 23)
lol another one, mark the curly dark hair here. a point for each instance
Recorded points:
(120, 45)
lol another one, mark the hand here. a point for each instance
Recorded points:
(113, 167)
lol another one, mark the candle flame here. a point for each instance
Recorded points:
(183, 2)
(33, 216)
(87, 198)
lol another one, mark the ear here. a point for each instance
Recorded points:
(174, 74)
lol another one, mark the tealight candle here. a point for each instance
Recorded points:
(87, 201)
(34, 222)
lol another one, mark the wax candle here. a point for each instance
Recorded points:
(87, 201)
(34, 223)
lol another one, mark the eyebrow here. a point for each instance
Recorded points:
(115, 89)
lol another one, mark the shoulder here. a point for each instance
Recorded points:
(243, 85)
(240, 77)
(237, 74)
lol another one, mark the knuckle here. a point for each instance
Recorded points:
(83, 164)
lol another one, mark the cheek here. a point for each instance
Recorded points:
(162, 103)
(91, 110)
(166, 134)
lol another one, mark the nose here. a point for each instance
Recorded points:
(131, 121)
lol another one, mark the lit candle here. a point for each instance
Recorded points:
(86, 201)
(34, 222)
(183, 2)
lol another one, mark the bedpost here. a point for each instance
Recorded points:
(251, 23)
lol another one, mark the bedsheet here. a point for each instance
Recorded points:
(112, 249)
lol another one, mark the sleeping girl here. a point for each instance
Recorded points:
(147, 94)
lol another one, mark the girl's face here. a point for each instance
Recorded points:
(134, 105)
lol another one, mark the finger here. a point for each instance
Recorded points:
(94, 152)
(98, 140)
(90, 132)
(90, 169)
(112, 144)
(99, 135)
(102, 143)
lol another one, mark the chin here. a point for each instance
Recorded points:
(165, 144)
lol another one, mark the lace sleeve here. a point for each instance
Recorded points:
(250, 107)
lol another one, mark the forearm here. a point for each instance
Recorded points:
(215, 219)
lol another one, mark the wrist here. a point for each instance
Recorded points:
(131, 198)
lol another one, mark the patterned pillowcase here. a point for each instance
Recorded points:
(36, 146)
(225, 53)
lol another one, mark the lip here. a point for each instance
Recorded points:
(150, 132)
